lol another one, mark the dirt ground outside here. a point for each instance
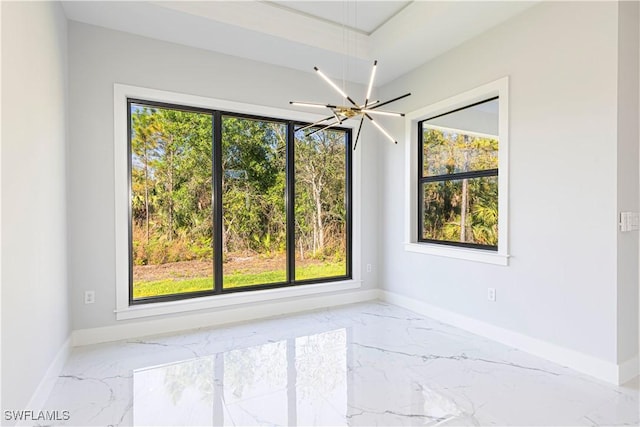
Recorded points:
(194, 269)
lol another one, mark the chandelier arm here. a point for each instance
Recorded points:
(381, 129)
(382, 113)
(358, 134)
(330, 82)
(353, 102)
(323, 128)
(315, 124)
(311, 104)
(335, 86)
(390, 101)
(373, 76)
(369, 105)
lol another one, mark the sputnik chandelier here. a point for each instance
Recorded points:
(341, 113)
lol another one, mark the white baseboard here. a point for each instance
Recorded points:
(629, 369)
(217, 318)
(607, 371)
(43, 391)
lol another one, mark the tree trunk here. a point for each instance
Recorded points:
(465, 199)
(146, 188)
(225, 239)
(301, 249)
(463, 211)
(315, 235)
(170, 190)
(318, 224)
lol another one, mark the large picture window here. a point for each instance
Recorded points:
(458, 176)
(224, 202)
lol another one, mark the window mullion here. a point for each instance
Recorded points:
(349, 202)
(290, 203)
(217, 201)
(129, 197)
(460, 175)
(420, 177)
(493, 98)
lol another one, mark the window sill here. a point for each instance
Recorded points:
(226, 300)
(477, 255)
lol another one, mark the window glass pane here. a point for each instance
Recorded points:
(320, 206)
(253, 202)
(171, 223)
(463, 210)
(461, 141)
(446, 153)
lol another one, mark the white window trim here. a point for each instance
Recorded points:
(123, 309)
(498, 88)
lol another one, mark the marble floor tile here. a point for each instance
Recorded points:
(370, 364)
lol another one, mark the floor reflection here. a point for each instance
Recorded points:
(360, 365)
(297, 381)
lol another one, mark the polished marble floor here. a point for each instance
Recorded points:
(365, 364)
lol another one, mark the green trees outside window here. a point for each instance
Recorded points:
(458, 186)
(254, 225)
(320, 209)
(171, 210)
(176, 224)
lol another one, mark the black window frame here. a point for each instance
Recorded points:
(422, 180)
(217, 211)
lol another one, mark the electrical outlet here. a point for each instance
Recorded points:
(491, 294)
(89, 297)
(369, 268)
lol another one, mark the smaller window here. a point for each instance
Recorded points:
(458, 179)
(457, 160)
(458, 176)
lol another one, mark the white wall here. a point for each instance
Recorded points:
(628, 184)
(35, 312)
(561, 284)
(98, 58)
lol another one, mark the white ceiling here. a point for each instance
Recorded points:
(362, 16)
(340, 37)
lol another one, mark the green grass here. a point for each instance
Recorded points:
(179, 286)
(321, 270)
(171, 286)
